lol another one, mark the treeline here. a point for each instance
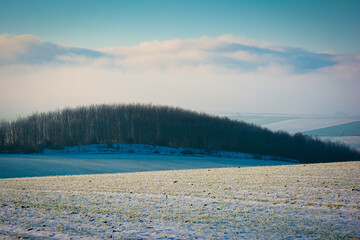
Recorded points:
(160, 125)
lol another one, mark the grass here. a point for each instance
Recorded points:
(319, 201)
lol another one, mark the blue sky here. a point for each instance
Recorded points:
(270, 56)
(321, 25)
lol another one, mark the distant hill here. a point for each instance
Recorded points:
(161, 125)
(260, 120)
(347, 129)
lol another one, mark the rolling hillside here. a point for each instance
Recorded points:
(347, 129)
(338, 129)
(161, 125)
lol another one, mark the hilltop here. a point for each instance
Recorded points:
(163, 126)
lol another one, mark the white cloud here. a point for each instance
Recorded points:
(28, 49)
(11, 47)
(227, 73)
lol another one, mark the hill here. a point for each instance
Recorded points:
(161, 125)
(347, 129)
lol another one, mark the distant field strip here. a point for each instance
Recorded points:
(352, 141)
(307, 124)
(320, 201)
(347, 129)
(261, 120)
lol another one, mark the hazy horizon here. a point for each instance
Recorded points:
(209, 56)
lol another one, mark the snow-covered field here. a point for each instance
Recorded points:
(297, 123)
(319, 201)
(92, 159)
(352, 141)
(308, 123)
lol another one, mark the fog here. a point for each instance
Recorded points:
(224, 74)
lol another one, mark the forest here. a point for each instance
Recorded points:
(160, 125)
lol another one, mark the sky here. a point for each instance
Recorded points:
(270, 56)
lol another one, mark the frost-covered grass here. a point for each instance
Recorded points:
(319, 201)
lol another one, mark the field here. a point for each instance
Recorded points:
(347, 129)
(49, 165)
(307, 123)
(119, 158)
(261, 120)
(299, 123)
(319, 201)
(352, 141)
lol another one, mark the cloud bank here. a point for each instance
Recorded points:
(223, 74)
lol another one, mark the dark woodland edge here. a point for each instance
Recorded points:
(164, 126)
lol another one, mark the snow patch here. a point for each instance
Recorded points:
(145, 149)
